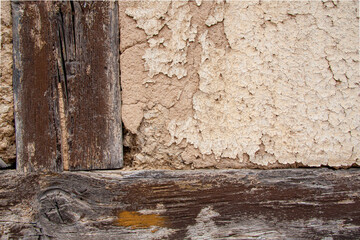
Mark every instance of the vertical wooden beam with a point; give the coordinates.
(35, 88)
(66, 85)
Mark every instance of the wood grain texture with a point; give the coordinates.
(35, 88)
(224, 204)
(66, 84)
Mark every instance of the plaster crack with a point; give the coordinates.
(133, 45)
(337, 81)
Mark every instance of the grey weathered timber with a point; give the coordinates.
(207, 204)
(66, 85)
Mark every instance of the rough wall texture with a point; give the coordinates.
(7, 134)
(240, 83)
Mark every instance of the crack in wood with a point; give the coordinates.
(58, 211)
(63, 95)
(63, 55)
(73, 23)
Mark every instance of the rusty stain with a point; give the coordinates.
(137, 220)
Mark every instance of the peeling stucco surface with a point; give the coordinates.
(7, 132)
(240, 83)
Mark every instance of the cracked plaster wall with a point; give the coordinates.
(240, 83)
(7, 132)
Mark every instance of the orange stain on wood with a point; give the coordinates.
(137, 220)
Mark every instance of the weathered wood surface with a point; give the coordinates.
(208, 204)
(66, 85)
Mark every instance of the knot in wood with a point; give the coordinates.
(58, 207)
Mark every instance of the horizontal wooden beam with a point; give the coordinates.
(207, 204)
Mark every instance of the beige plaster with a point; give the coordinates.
(242, 84)
(7, 132)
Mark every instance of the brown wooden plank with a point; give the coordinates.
(228, 204)
(66, 85)
(35, 89)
